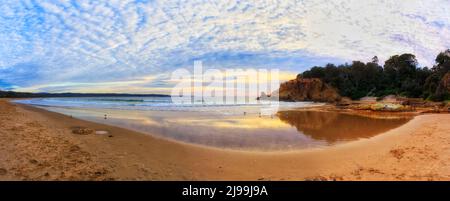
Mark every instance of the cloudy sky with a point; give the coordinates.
(133, 46)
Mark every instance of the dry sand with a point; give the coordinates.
(39, 145)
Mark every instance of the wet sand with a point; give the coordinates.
(287, 130)
(39, 145)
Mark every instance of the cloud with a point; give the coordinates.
(47, 43)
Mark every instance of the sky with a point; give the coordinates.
(133, 46)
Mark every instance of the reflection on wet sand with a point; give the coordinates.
(286, 131)
(334, 127)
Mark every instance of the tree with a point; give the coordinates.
(375, 60)
(400, 75)
(442, 63)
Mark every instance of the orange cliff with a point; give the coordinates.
(307, 89)
(445, 83)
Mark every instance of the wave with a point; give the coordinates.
(157, 104)
(117, 100)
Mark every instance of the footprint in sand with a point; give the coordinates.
(397, 153)
(3, 171)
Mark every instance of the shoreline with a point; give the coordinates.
(130, 155)
(323, 108)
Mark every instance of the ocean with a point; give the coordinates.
(160, 104)
(236, 127)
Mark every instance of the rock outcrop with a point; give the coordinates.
(445, 82)
(443, 89)
(82, 131)
(307, 89)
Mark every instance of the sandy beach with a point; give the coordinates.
(36, 144)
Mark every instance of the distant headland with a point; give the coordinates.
(13, 94)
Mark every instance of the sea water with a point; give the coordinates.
(163, 103)
(238, 126)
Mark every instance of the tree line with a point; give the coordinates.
(13, 94)
(400, 75)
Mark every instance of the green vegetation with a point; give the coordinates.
(400, 75)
